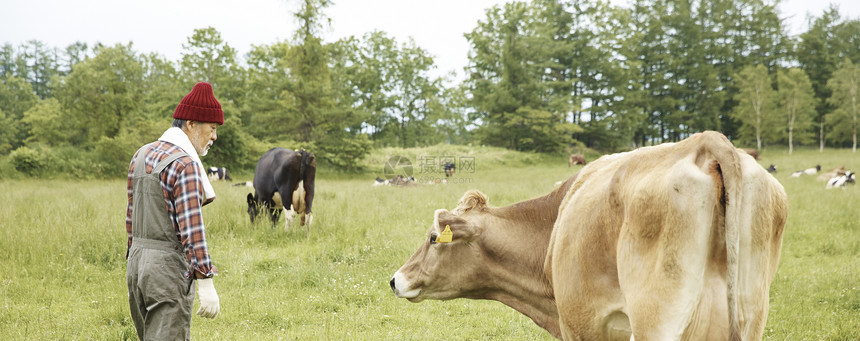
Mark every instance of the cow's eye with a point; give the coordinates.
(432, 239)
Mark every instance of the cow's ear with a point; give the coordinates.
(471, 200)
(251, 200)
(460, 228)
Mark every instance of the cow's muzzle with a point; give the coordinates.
(400, 285)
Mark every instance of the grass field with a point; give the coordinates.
(62, 265)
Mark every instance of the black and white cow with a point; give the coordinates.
(290, 174)
(808, 171)
(771, 169)
(217, 173)
(841, 181)
(380, 182)
(449, 169)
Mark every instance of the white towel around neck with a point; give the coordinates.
(178, 137)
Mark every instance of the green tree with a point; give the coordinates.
(370, 71)
(309, 99)
(819, 52)
(206, 57)
(357, 73)
(756, 104)
(7, 61)
(161, 90)
(507, 65)
(311, 102)
(74, 53)
(102, 93)
(37, 63)
(16, 97)
(797, 105)
(7, 134)
(845, 86)
(269, 78)
(46, 123)
(415, 95)
(651, 50)
(626, 125)
(453, 124)
(579, 77)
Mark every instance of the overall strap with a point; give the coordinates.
(164, 163)
(140, 161)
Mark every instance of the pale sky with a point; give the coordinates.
(164, 25)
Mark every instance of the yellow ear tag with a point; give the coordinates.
(446, 236)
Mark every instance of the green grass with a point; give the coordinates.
(816, 293)
(62, 265)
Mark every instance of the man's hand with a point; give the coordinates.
(209, 303)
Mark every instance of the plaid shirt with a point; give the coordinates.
(183, 195)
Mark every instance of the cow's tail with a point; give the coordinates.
(736, 219)
(303, 165)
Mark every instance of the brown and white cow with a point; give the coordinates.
(676, 241)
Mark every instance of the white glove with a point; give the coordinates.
(209, 303)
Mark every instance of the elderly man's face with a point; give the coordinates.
(201, 134)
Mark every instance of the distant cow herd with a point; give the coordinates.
(284, 170)
(837, 177)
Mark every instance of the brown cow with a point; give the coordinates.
(576, 159)
(835, 172)
(659, 242)
(497, 253)
(752, 152)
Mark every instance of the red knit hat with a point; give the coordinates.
(200, 105)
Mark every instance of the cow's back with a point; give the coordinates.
(643, 234)
(269, 170)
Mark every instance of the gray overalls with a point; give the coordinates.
(159, 295)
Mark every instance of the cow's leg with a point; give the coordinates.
(287, 200)
(760, 246)
(288, 217)
(308, 184)
(582, 269)
(589, 305)
(276, 214)
(308, 219)
(273, 212)
(663, 253)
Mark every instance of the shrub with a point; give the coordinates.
(76, 163)
(114, 155)
(29, 161)
(344, 153)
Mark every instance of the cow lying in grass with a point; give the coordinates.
(840, 181)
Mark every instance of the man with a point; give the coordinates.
(167, 251)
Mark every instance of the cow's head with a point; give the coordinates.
(442, 268)
(253, 208)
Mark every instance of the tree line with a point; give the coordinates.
(544, 75)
